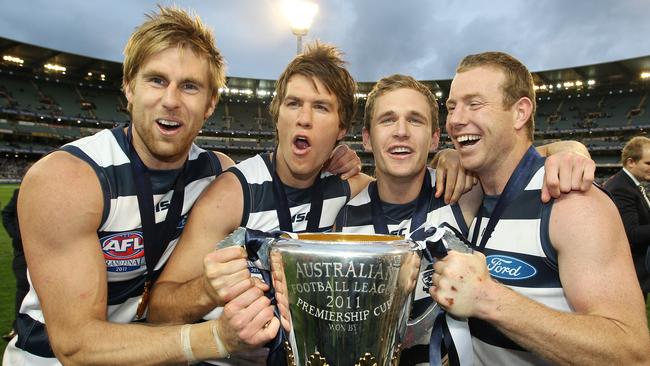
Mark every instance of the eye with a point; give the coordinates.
(450, 108)
(475, 104)
(416, 121)
(158, 81)
(321, 107)
(291, 103)
(190, 88)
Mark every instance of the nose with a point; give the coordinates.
(305, 115)
(455, 118)
(171, 97)
(401, 128)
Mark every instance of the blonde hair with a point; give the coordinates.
(398, 81)
(324, 62)
(173, 27)
(518, 81)
(634, 149)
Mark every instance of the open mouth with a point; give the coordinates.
(400, 151)
(468, 140)
(168, 125)
(301, 143)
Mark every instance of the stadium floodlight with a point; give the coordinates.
(55, 67)
(591, 82)
(645, 75)
(301, 14)
(13, 59)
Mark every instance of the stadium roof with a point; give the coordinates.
(78, 67)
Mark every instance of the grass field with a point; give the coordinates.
(7, 281)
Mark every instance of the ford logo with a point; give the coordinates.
(509, 268)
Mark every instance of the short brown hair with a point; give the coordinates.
(324, 62)
(518, 81)
(173, 27)
(634, 149)
(392, 83)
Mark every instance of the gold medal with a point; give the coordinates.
(144, 301)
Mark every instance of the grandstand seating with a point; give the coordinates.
(41, 112)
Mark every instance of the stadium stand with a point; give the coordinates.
(41, 110)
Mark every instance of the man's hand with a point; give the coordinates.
(247, 322)
(567, 171)
(343, 161)
(461, 283)
(227, 276)
(451, 177)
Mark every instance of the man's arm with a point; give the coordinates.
(185, 291)
(568, 167)
(67, 270)
(609, 324)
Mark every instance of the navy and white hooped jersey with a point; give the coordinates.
(519, 254)
(256, 178)
(120, 234)
(356, 217)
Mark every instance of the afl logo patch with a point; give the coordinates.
(123, 252)
(509, 268)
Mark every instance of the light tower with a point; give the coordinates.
(300, 14)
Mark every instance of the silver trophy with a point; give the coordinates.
(344, 298)
(347, 296)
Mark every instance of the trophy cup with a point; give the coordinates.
(346, 296)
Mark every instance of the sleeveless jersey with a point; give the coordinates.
(120, 234)
(256, 179)
(519, 254)
(356, 217)
(255, 175)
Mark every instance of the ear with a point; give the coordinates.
(342, 132)
(365, 134)
(212, 105)
(435, 141)
(128, 92)
(523, 108)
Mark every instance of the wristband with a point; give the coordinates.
(221, 347)
(187, 344)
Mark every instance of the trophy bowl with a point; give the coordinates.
(346, 296)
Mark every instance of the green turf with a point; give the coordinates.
(8, 283)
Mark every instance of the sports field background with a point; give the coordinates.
(7, 281)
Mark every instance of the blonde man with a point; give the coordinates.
(100, 216)
(548, 283)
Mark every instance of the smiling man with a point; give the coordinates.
(100, 216)
(547, 283)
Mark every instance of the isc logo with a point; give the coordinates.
(300, 217)
(123, 245)
(399, 232)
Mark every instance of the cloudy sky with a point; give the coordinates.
(423, 38)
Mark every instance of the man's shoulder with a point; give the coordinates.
(362, 198)
(253, 166)
(577, 204)
(102, 148)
